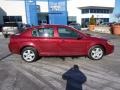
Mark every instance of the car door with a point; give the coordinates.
(46, 41)
(71, 42)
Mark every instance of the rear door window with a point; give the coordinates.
(43, 32)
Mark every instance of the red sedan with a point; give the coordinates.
(58, 40)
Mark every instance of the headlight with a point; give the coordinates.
(110, 42)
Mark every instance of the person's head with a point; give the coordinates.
(76, 67)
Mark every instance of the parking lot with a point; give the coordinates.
(46, 73)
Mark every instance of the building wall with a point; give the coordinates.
(17, 8)
(2, 13)
(102, 3)
(73, 8)
(43, 6)
(13, 8)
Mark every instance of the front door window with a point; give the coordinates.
(67, 33)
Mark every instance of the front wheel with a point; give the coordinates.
(96, 53)
(29, 54)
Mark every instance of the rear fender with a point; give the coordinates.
(28, 44)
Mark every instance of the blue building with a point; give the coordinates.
(57, 9)
(35, 12)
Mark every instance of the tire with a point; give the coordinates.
(96, 52)
(29, 54)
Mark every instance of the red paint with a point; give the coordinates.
(57, 46)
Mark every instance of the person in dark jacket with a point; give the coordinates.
(75, 78)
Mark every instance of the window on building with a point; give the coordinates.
(18, 18)
(107, 11)
(97, 10)
(110, 10)
(71, 19)
(6, 19)
(92, 11)
(106, 20)
(85, 11)
(85, 22)
(12, 19)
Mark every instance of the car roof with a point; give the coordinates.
(74, 24)
(46, 25)
(52, 25)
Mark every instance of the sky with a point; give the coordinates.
(117, 7)
(116, 11)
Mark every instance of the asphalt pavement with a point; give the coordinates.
(46, 73)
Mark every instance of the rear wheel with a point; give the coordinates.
(96, 52)
(29, 54)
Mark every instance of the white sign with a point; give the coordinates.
(55, 7)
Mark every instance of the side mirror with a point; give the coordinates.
(88, 34)
(79, 37)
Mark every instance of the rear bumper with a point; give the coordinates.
(13, 48)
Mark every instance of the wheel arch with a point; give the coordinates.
(33, 49)
(103, 47)
(93, 56)
(28, 46)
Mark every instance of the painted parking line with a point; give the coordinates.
(6, 56)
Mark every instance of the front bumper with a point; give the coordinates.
(109, 49)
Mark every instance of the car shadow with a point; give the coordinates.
(5, 56)
(75, 78)
(62, 58)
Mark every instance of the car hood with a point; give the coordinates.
(98, 38)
